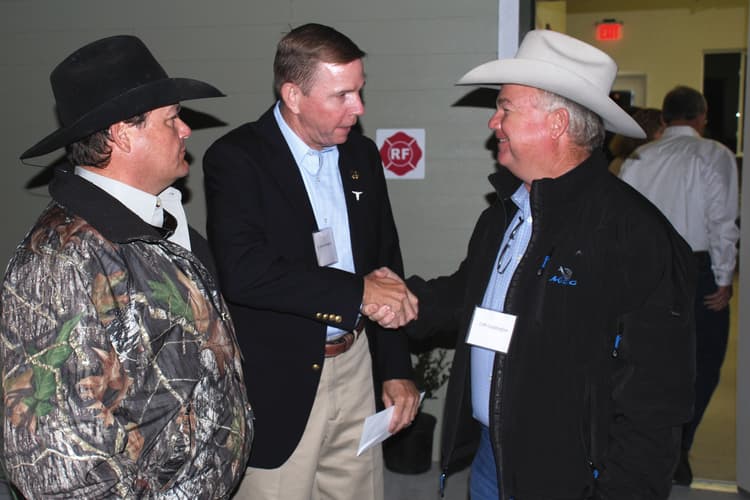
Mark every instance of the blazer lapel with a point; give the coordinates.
(355, 181)
(284, 170)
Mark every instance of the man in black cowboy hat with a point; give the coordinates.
(573, 368)
(121, 371)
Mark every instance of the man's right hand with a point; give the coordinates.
(387, 300)
(719, 299)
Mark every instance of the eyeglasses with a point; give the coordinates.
(503, 261)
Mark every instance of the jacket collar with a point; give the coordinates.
(104, 212)
(565, 188)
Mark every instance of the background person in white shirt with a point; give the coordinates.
(693, 181)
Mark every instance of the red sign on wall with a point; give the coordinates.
(609, 31)
(400, 153)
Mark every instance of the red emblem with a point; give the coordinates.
(400, 153)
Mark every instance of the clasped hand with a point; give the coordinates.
(387, 300)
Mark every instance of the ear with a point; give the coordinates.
(558, 121)
(119, 134)
(290, 95)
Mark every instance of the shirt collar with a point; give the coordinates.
(680, 130)
(108, 215)
(521, 198)
(297, 146)
(145, 205)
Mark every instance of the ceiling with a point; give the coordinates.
(582, 6)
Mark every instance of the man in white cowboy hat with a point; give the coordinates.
(573, 365)
(121, 371)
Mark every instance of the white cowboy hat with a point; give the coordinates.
(564, 66)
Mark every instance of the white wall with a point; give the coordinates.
(666, 45)
(743, 341)
(552, 15)
(416, 51)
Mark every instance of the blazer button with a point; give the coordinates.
(338, 319)
(316, 367)
(319, 315)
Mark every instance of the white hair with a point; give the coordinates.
(585, 128)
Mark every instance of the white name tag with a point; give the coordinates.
(325, 247)
(491, 329)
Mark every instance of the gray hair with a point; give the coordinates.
(585, 127)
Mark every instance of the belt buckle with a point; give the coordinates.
(338, 340)
(339, 345)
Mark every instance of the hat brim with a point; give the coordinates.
(558, 80)
(150, 96)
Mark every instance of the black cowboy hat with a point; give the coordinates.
(108, 81)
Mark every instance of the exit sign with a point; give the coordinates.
(609, 30)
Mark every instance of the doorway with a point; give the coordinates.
(723, 81)
(713, 455)
(633, 84)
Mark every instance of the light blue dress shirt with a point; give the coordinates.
(322, 178)
(511, 251)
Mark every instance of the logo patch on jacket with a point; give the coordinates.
(563, 276)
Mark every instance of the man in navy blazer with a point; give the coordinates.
(300, 222)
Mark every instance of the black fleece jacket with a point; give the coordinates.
(598, 378)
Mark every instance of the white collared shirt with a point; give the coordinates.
(325, 190)
(148, 207)
(693, 181)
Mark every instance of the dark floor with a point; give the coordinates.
(425, 487)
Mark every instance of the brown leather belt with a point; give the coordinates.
(345, 342)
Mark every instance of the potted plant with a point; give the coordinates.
(410, 451)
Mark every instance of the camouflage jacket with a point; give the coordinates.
(121, 371)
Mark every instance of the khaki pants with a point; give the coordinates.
(325, 466)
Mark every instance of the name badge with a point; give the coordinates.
(491, 329)
(325, 247)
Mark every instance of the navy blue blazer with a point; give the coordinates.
(260, 225)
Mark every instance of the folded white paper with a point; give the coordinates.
(376, 428)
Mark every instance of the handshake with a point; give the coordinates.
(387, 300)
